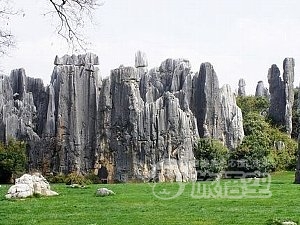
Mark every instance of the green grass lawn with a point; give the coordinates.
(136, 204)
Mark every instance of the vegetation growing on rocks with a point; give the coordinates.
(264, 148)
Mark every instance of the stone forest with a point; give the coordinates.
(139, 123)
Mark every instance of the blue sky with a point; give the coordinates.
(242, 39)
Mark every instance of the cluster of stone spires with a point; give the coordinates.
(138, 123)
(280, 93)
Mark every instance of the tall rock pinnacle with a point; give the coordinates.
(242, 90)
(282, 94)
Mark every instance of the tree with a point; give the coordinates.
(6, 38)
(253, 104)
(252, 155)
(211, 156)
(72, 17)
(259, 152)
(12, 159)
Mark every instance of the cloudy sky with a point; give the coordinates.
(242, 39)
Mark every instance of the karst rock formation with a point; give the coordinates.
(136, 124)
(261, 90)
(282, 94)
(242, 87)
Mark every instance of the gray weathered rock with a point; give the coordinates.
(242, 90)
(147, 140)
(72, 113)
(216, 111)
(232, 118)
(288, 79)
(104, 192)
(277, 98)
(288, 223)
(173, 75)
(77, 60)
(261, 90)
(134, 125)
(140, 59)
(19, 191)
(27, 185)
(207, 104)
(18, 113)
(282, 94)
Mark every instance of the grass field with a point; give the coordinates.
(142, 204)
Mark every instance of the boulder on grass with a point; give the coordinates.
(28, 185)
(19, 191)
(104, 192)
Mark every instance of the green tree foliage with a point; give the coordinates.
(211, 156)
(76, 178)
(12, 159)
(282, 159)
(249, 104)
(252, 154)
(259, 151)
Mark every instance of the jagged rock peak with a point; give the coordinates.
(242, 90)
(72, 114)
(77, 60)
(18, 82)
(261, 90)
(18, 112)
(169, 65)
(206, 105)
(122, 74)
(232, 118)
(282, 94)
(217, 114)
(140, 59)
(173, 75)
(288, 79)
(144, 139)
(288, 66)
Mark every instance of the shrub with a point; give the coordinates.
(60, 178)
(258, 152)
(93, 178)
(283, 159)
(12, 159)
(76, 178)
(255, 104)
(211, 156)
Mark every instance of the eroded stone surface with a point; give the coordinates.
(216, 111)
(232, 118)
(261, 90)
(28, 185)
(282, 94)
(104, 192)
(137, 124)
(242, 89)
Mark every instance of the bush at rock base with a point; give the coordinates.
(211, 157)
(12, 159)
(265, 148)
(76, 178)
